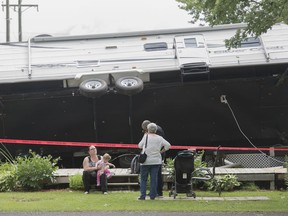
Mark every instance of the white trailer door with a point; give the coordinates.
(191, 49)
(192, 57)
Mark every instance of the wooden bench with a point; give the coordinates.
(270, 174)
(121, 177)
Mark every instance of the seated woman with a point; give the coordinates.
(90, 171)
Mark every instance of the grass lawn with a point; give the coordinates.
(66, 200)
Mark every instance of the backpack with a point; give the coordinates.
(135, 165)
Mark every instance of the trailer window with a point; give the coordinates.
(155, 46)
(190, 42)
(250, 42)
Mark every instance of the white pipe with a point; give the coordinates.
(29, 58)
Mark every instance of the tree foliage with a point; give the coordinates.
(259, 15)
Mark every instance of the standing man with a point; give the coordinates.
(161, 133)
(152, 143)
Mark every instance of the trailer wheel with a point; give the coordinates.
(129, 85)
(93, 88)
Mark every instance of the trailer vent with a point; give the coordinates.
(195, 71)
(111, 47)
(194, 68)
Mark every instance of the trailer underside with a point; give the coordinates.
(188, 108)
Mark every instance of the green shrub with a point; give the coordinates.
(286, 175)
(249, 186)
(223, 183)
(8, 180)
(198, 163)
(75, 182)
(34, 172)
(4, 153)
(169, 166)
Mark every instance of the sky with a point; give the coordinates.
(80, 17)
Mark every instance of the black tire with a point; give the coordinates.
(191, 194)
(93, 88)
(129, 85)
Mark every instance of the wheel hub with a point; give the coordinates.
(129, 82)
(93, 85)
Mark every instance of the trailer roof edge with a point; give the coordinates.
(139, 33)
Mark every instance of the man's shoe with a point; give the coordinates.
(141, 198)
(86, 192)
(105, 193)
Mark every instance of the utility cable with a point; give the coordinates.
(224, 100)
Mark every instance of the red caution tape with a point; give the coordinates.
(122, 145)
(62, 143)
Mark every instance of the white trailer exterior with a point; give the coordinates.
(76, 58)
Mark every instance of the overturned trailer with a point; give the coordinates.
(99, 88)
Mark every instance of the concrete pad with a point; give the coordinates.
(258, 198)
